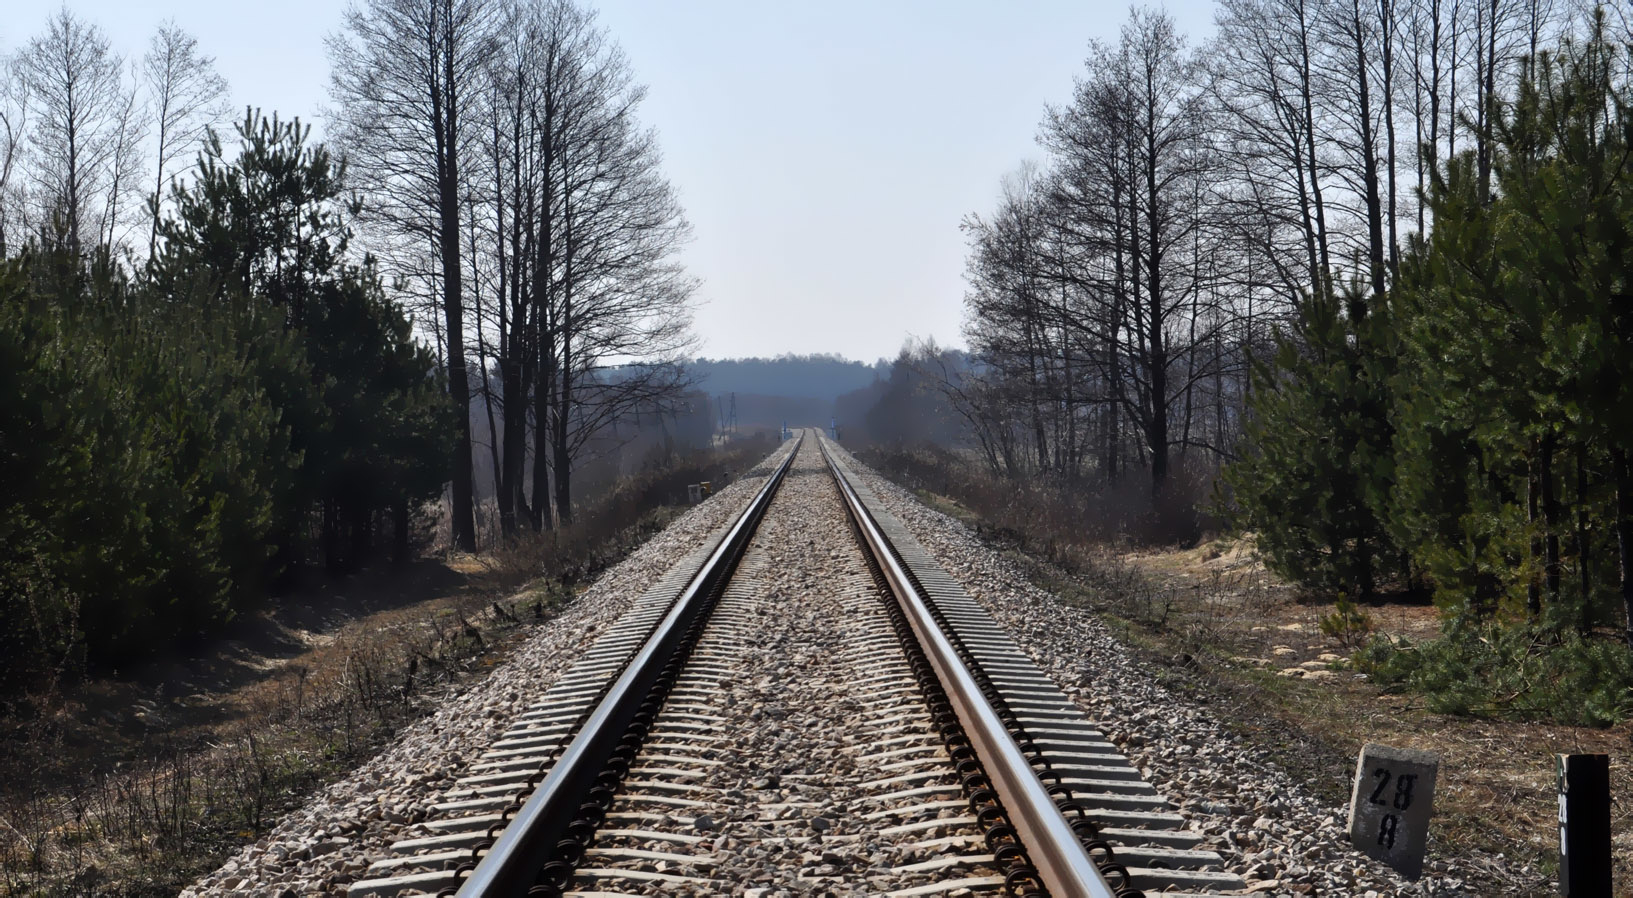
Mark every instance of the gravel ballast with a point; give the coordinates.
(1268, 826)
(795, 755)
(330, 842)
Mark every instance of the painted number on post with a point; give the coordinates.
(1389, 825)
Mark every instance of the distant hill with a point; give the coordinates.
(822, 377)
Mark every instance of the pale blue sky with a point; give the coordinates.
(825, 151)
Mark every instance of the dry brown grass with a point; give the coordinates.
(1236, 638)
(211, 774)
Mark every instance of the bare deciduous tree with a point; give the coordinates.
(124, 169)
(618, 294)
(1149, 164)
(75, 100)
(405, 75)
(187, 96)
(13, 131)
(556, 260)
(1263, 81)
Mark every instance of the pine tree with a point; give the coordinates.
(270, 229)
(161, 439)
(148, 467)
(1317, 465)
(1566, 213)
(1458, 434)
(1517, 343)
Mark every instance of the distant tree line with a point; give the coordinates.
(907, 403)
(1370, 257)
(809, 376)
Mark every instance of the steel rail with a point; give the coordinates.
(529, 841)
(1054, 848)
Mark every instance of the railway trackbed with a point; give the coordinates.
(805, 704)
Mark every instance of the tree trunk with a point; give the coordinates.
(162, 116)
(563, 466)
(543, 393)
(1157, 428)
(506, 473)
(544, 319)
(1114, 364)
(445, 113)
(1110, 463)
(1582, 548)
(1533, 591)
(400, 543)
(1550, 517)
(464, 518)
(1387, 18)
(1451, 87)
(1323, 285)
(1624, 531)
(515, 437)
(541, 467)
(488, 407)
(1485, 93)
(1369, 166)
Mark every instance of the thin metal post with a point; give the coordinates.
(1584, 826)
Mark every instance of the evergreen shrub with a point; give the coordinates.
(1511, 672)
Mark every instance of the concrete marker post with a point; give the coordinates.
(1391, 805)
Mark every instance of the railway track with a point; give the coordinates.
(806, 704)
